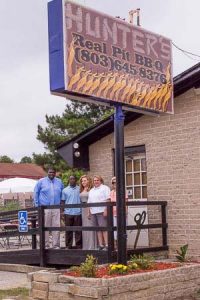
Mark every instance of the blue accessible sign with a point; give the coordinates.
(23, 221)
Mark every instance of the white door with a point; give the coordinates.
(136, 186)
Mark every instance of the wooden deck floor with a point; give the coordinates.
(61, 257)
(51, 256)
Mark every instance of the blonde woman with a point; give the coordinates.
(89, 237)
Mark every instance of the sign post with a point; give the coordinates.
(23, 221)
(120, 185)
(99, 59)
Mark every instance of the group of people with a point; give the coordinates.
(50, 191)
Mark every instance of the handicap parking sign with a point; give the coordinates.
(23, 221)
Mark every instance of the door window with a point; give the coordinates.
(136, 177)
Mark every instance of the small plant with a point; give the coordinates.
(89, 267)
(182, 253)
(133, 266)
(141, 262)
(117, 269)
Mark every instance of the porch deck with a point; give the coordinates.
(31, 245)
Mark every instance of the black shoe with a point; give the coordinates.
(68, 247)
(100, 248)
(76, 247)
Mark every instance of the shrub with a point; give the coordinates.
(89, 267)
(133, 266)
(141, 262)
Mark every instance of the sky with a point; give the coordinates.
(25, 98)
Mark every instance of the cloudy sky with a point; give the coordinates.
(24, 81)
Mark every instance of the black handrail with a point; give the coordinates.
(37, 227)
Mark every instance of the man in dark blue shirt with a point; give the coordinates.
(71, 195)
(48, 191)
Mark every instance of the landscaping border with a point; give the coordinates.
(168, 284)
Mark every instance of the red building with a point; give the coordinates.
(12, 170)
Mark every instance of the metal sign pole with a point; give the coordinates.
(120, 185)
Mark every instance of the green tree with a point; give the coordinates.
(50, 159)
(26, 160)
(64, 176)
(6, 159)
(76, 118)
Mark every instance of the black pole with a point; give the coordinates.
(42, 235)
(164, 221)
(33, 226)
(120, 185)
(110, 233)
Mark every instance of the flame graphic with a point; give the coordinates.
(97, 82)
(75, 78)
(148, 96)
(120, 87)
(103, 85)
(132, 90)
(83, 81)
(89, 83)
(70, 58)
(127, 89)
(110, 84)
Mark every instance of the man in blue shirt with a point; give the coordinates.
(71, 195)
(48, 191)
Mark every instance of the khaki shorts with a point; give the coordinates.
(98, 220)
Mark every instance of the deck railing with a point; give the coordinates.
(36, 229)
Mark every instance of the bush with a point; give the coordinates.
(89, 267)
(141, 262)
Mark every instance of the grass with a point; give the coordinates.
(22, 292)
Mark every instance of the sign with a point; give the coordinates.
(23, 221)
(95, 57)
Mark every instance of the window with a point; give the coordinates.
(136, 176)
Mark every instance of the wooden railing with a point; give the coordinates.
(36, 228)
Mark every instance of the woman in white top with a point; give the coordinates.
(98, 215)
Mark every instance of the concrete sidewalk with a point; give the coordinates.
(10, 280)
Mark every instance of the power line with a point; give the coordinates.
(187, 53)
(195, 59)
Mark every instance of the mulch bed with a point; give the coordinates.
(103, 271)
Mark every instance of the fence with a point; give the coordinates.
(37, 254)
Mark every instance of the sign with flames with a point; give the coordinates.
(95, 57)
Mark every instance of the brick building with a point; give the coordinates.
(162, 158)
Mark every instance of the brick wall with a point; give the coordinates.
(172, 145)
